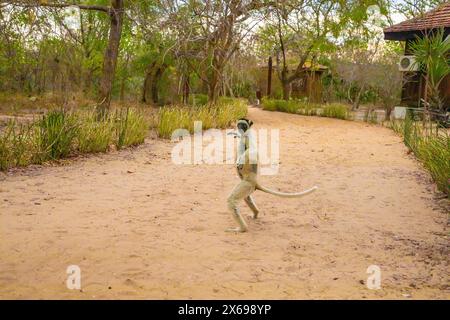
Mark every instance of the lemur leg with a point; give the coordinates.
(252, 205)
(240, 192)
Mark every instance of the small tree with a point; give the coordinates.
(432, 54)
(389, 85)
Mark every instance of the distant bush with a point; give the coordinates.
(95, 136)
(290, 106)
(55, 134)
(303, 107)
(198, 99)
(59, 134)
(335, 110)
(131, 128)
(218, 116)
(15, 145)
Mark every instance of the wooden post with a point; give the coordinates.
(425, 101)
(269, 78)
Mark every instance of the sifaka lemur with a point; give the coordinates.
(247, 169)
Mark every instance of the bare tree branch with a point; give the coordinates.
(35, 4)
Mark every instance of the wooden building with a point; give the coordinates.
(309, 86)
(414, 82)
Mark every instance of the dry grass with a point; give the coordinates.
(218, 116)
(60, 134)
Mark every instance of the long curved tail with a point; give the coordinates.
(286, 195)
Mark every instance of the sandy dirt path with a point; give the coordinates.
(139, 226)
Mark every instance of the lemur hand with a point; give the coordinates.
(235, 134)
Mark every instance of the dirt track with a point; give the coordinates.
(141, 227)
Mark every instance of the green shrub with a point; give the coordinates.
(198, 99)
(228, 111)
(172, 118)
(396, 125)
(5, 149)
(55, 134)
(335, 110)
(305, 108)
(58, 134)
(131, 128)
(291, 106)
(269, 104)
(433, 150)
(220, 116)
(21, 147)
(95, 136)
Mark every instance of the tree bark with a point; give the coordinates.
(213, 87)
(155, 83)
(116, 12)
(111, 54)
(388, 111)
(269, 78)
(357, 100)
(153, 76)
(186, 89)
(286, 90)
(147, 82)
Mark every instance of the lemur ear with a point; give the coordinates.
(250, 123)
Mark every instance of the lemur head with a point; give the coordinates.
(244, 124)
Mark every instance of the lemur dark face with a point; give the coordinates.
(244, 124)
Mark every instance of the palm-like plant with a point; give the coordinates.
(432, 54)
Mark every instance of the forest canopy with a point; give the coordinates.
(162, 52)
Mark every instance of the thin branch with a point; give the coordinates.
(36, 4)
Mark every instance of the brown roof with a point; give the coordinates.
(437, 18)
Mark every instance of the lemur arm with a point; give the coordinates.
(251, 150)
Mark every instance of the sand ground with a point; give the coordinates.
(140, 226)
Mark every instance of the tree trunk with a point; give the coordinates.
(388, 111)
(357, 100)
(111, 54)
(213, 87)
(269, 78)
(148, 82)
(153, 75)
(155, 83)
(186, 89)
(286, 90)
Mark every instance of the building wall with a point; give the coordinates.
(310, 86)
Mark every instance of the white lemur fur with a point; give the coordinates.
(247, 168)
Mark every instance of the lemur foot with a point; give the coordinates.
(255, 215)
(235, 230)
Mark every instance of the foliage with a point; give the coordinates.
(15, 143)
(198, 99)
(94, 136)
(432, 149)
(131, 128)
(55, 134)
(432, 56)
(219, 116)
(165, 48)
(60, 134)
(333, 110)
